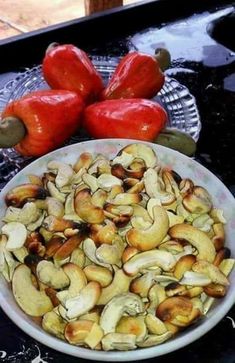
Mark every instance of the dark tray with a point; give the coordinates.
(201, 63)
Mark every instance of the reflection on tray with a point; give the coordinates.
(174, 97)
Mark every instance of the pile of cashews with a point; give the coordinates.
(114, 254)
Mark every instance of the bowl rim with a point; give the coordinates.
(178, 342)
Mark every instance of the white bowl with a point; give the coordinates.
(185, 167)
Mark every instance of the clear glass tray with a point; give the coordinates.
(174, 97)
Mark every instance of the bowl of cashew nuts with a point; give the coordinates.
(116, 250)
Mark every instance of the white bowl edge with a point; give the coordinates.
(216, 314)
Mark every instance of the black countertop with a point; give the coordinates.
(207, 68)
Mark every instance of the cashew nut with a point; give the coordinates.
(150, 238)
(100, 165)
(153, 340)
(140, 211)
(126, 199)
(50, 275)
(26, 215)
(217, 215)
(55, 193)
(111, 254)
(177, 310)
(94, 336)
(136, 170)
(174, 219)
(128, 253)
(141, 151)
(107, 181)
(203, 222)
(78, 257)
(85, 209)
(119, 341)
(142, 260)
(55, 207)
(124, 159)
(85, 301)
(155, 325)
(192, 278)
(19, 195)
(90, 181)
(103, 234)
(219, 237)
(16, 233)
(116, 307)
(99, 198)
(64, 172)
(65, 250)
(141, 285)
(171, 179)
(153, 188)
(212, 271)
(77, 280)
(76, 331)
(198, 200)
(89, 248)
(7, 262)
(197, 238)
(54, 324)
(32, 301)
(119, 285)
(156, 295)
(84, 161)
(132, 325)
(98, 273)
(56, 224)
(184, 264)
(172, 246)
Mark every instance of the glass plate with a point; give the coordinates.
(174, 97)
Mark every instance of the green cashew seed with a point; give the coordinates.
(177, 140)
(12, 131)
(163, 57)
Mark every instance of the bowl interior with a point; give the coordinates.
(185, 167)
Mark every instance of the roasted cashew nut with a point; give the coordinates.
(212, 271)
(142, 260)
(111, 254)
(153, 188)
(133, 325)
(52, 276)
(198, 200)
(120, 304)
(64, 172)
(85, 301)
(16, 233)
(141, 151)
(89, 248)
(119, 285)
(77, 280)
(85, 209)
(54, 324)
(7, 262)
(151, 237)
(26, 215)
(119, 341)
(197, 238)
(177, 310)
(32, 301)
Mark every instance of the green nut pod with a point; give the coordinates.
(177, 140)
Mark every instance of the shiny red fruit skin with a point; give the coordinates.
(138, 119)
(138, 75)
(68, 67)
